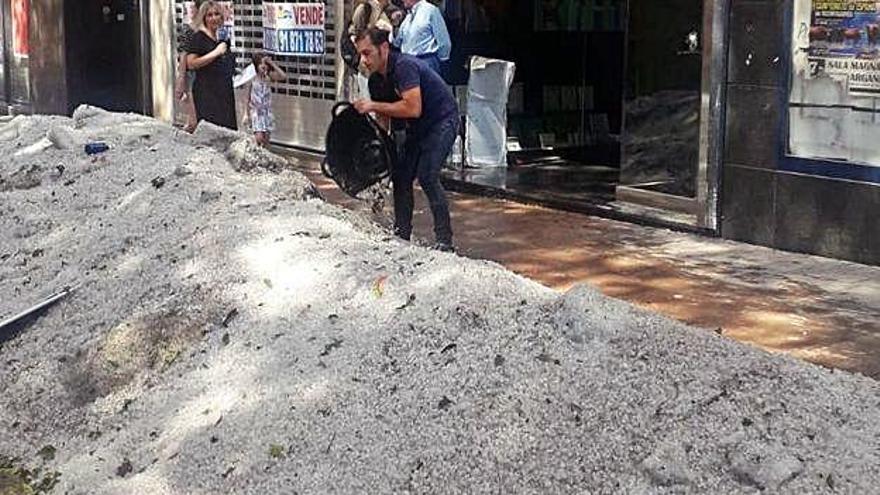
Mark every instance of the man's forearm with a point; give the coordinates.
(396, 110)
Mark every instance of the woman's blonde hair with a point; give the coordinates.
(199, 19)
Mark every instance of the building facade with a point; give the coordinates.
(755, 120)
(822, 199)
(303, 102)
(58, 54)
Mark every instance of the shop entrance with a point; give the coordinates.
(609, 104)
(662, 96)
(666, 131)
(104, 55)
(564, 113)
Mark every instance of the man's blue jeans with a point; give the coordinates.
(423, 157)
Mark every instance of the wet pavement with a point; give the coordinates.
(821, 310)
(561, 181)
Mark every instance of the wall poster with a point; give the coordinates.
(833, 105)
(20, 44)
(843, 39)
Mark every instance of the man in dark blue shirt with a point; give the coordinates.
(403, 87)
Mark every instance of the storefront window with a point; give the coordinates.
(564, 108)
(833, 104)
(568, 55)
(661, 138)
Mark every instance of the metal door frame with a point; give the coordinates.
(705, 206)
(144, 88)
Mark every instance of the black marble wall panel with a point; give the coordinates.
(833, 218)
(757, 43)
(748, 213)
(753, 126)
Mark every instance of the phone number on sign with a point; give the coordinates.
(294, 41)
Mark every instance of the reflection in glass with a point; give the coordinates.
(662, 96)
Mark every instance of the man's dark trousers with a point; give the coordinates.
(424, 154)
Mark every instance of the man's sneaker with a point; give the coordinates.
(446, 247)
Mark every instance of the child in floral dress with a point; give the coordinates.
(260, 102)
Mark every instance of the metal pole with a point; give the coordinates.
(43, 304)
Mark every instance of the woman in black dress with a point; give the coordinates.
(214, 65)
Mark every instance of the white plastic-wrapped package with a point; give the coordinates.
(488, 90)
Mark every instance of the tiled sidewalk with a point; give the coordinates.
(822, 310)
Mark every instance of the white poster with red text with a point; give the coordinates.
(294, 28)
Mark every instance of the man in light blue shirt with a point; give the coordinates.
(423, 34)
